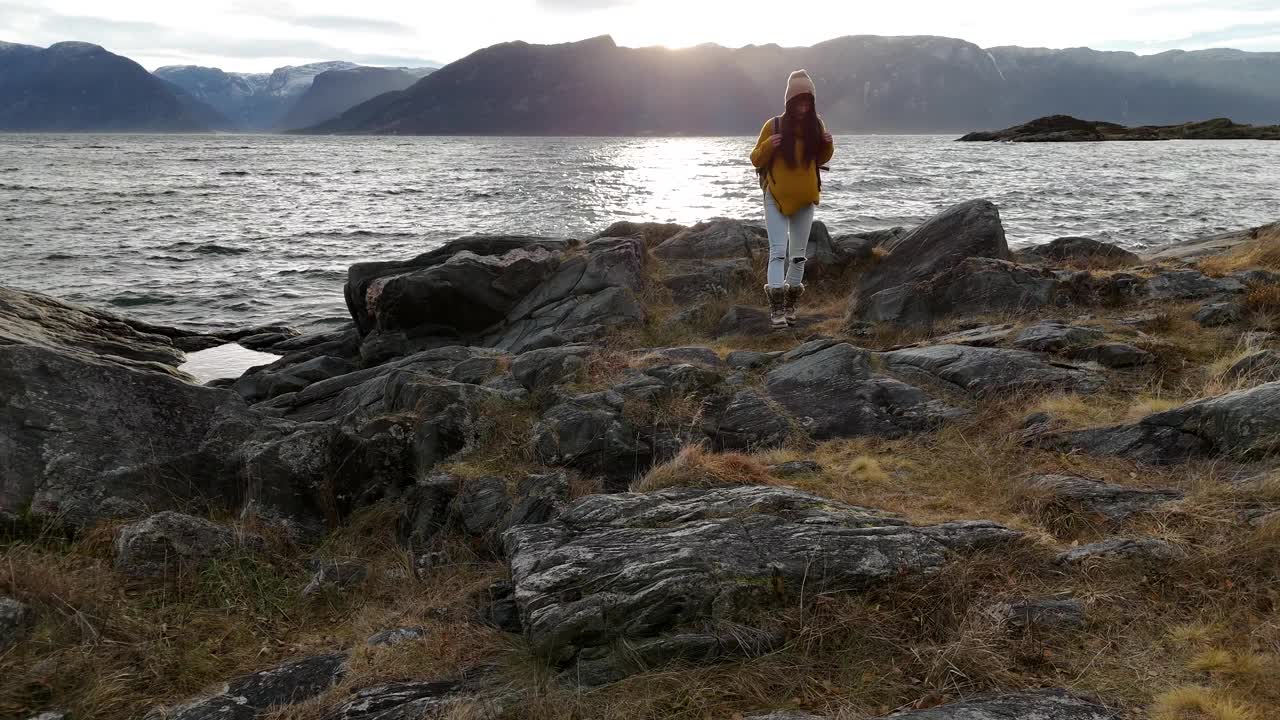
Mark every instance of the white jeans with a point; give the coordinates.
(788, 242)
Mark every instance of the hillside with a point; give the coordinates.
(78, 87)
(866, 84)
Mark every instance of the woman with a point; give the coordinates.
(788, 156)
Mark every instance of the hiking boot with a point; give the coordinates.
(777, 313)
(790, 298)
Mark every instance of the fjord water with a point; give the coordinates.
(230, 230)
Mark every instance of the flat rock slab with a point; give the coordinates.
(251, 696)
(657, 571)
(1190, 285)
(1139, 549)
(984, 371)
(1051, 336)
(166, 541)
(1113, 355)
(1244, 423)
(984, 336)
(832, 390)
(1114, 502)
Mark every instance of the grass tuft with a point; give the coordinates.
(1197, 703)
(696, 467)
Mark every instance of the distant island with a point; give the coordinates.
(1064, 128)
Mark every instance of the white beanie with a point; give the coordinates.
(799, 84)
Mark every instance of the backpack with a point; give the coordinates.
(764, 174)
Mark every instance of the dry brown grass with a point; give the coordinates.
(1197, 703)
(1261, 252)
(1261, 304)
(696, 467)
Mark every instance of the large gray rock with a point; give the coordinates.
(834, 393)
(655, 573)
(1080, 250)
(907, 285)
(1038, 614)
(1113, 355)
(591, 294)
(1216, 314)
(1245, 423)
(367, 281)
(690, 281)
(28, 318)
(14, 618)
(746, 422)
(83, 439)
(429, 700)
(1053, 336)
(651, 233)
(542, 369)
(1259, 367)
(970, 229)
(168, 542)
(972, 287)
(335, 575)
(985, 371)
(1191, 285)
(1086, 495)
(715, 239)
(264, 383)
(252, 696)
(487, 507)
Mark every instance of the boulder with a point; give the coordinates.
(1244, 423)
(590, 433)
(486, 507)
(1140, 550)
(1053, 336)
(981, 336)
(653, 234)
(689, 282)
(1216, 314)
(33, 319)
(335, 575)
(252, 696)
(85, 439)
(985, 371)
(263, 384)
(744, 320)
(1259, 367)
(834, 393)
(1190, 285)
(750, 359)
(624, 582)
(366, 281)
(719, 238)
(968, 230)
(427, 508)
(973, 286)
(1038, 614)
(541, 369)
(1080, 251)
(168, 542)
(746, 422)
(1113, 355)
(14, 619)
(1086, 495)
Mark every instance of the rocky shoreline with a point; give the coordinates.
(533, 468)
(1064, 128)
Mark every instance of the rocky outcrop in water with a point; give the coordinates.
(1064, 128)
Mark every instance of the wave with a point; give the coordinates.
(133, 300)
(238, 173)
(61, 256)
(170, 258)
(316, 273)
(208, 248)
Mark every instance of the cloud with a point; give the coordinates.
(580, 5)
(342, 22)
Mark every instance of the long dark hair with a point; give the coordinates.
(811, 131)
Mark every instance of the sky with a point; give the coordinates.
(259, 35)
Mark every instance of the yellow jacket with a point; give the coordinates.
(793, 188)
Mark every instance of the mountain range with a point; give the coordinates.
(865, 84)
(594, 87)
